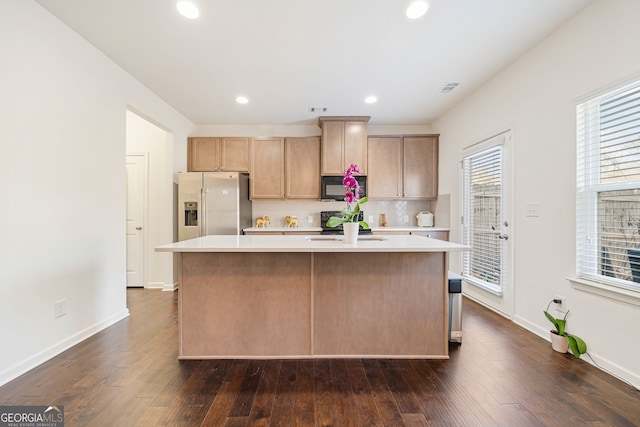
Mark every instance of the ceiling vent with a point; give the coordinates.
(318, 109)
(449, 87)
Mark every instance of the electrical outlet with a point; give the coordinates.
(532, 210)
(60, 308)
(310, 219)
(370, 219)
(562, 306)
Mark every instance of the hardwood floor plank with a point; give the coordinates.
(244, 400)
(343, 403)
(284, 401)
(200, 389)
(323, 394)
(364, 403)
(304, 401)
(225, 398)
(414, 420)
(260, 415)
(401, 390)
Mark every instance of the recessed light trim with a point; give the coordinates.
(417, 9)
(242, 100)
(371, 99)
(188, 9)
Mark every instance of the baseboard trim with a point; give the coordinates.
(51, 352)
(170, 287)
(155, 285)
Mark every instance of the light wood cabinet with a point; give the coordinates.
(302, 168)
(267, 168)
(219, 154)
(420, 167)
(385, 168)
(403, 167)
(390, 233)
(440, 235)
(285, 168)
(344, 141)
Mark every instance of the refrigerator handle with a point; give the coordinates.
(203, 214)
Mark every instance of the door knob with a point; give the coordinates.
(138, 228)
(503, 236)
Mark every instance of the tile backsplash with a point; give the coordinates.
(398, 212)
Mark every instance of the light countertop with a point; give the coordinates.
(407, 228)
(301, 243)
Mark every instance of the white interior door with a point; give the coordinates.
(136, 205)
(487, 227)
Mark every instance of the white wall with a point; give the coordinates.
(535, 96)
(62, 182)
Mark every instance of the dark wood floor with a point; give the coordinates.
(129, 375)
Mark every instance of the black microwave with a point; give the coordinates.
(332, 188)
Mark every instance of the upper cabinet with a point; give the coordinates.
(267, 168)
(218, 154)
(344, 141)
(285, 168)
(403, 167)
(302, 168)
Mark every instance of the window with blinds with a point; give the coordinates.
(608, 188)
(483, 218)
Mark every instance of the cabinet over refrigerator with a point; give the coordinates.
(211, 203)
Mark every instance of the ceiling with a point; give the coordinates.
(289, 55)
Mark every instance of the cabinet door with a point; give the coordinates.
(355, 145)
(420, 167)
(203, 154)
(332, 147)
(302, 168)
(234, 154)
(384, 180)
(440, 235)
(267, 168)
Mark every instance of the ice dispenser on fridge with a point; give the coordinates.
(190, 214)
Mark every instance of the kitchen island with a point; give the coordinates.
(312, 296)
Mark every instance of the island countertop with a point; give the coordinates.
(312, 243)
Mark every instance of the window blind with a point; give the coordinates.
(483, 217)
(608, 187)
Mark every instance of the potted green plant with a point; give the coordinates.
(561, 339)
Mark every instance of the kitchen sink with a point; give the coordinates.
(341, 238)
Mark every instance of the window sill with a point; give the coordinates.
(495, 290)
(628, 296)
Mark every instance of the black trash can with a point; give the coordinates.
(455, 307)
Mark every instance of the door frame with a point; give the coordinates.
(145, 207)
(503, 304)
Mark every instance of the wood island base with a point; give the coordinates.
(312, 305)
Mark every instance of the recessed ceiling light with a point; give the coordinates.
(188, 9)
(370, 99)
(417, 9)
(242, 100)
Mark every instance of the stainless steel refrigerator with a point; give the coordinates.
(212, 203)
